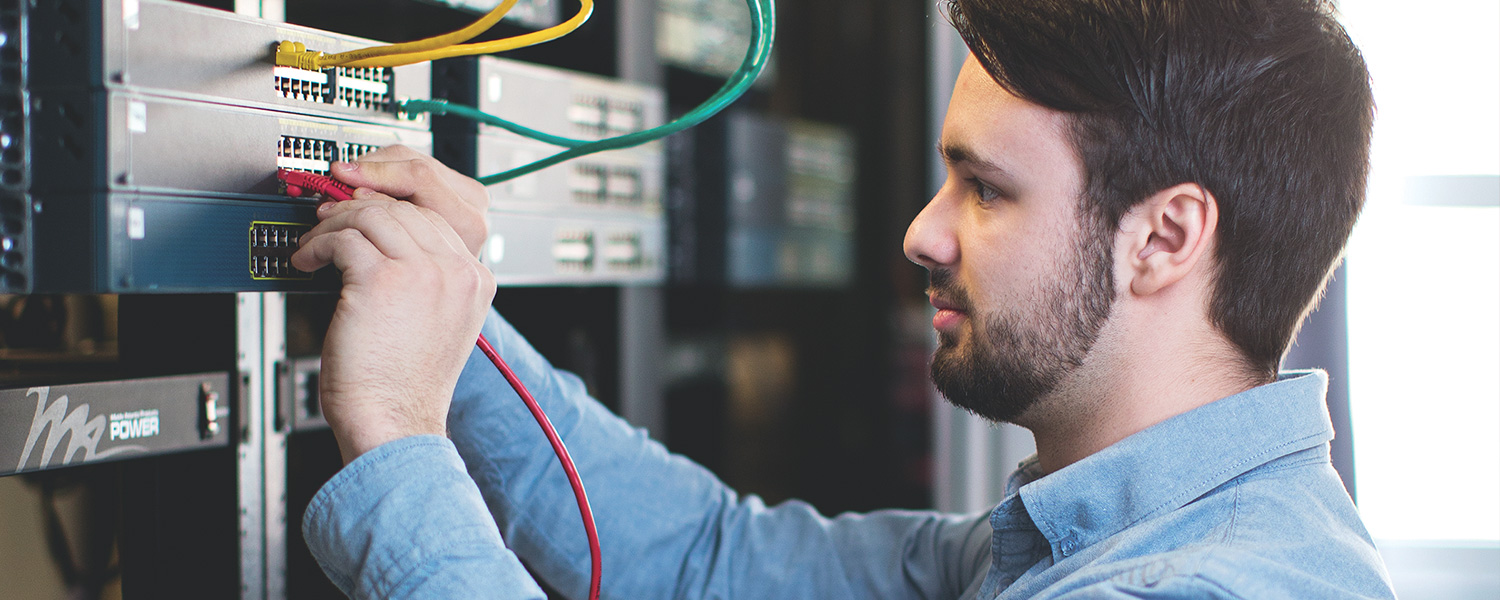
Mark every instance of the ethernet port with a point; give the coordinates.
(271, 249)
(306, 154)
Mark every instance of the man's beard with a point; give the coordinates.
(1017, 355)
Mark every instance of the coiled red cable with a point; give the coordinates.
(562, 457)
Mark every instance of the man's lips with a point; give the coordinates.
(940, 303)
(949, 314)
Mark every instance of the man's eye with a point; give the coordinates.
(986, 192)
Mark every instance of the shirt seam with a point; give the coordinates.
(424, 566)
(1316, 460)
(1178, 499)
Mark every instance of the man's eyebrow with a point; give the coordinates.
(955, 153)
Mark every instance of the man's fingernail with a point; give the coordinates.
(324, 206)
(346, 167)
(363, 192)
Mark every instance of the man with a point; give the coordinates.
(1143, 200)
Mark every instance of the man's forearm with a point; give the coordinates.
(405, 521)
(668, 527)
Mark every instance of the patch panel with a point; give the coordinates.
(366, 88)
(158, 47)
(350, 151)
(112, 140)
(301, 84)
(304, 154)
(271, 249)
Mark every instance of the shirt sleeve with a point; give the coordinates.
(668, 527)
(405, 521)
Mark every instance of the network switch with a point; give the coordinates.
(176, 49)
(121, 242)
(553, 100)
(597, 219)
(532, 249)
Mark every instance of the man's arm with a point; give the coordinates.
(405, 521)
(402, 519)
(668, 527)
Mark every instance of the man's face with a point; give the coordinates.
(1021, 287)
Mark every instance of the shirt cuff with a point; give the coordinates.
(406, 520)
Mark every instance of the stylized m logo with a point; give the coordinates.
(82, 432)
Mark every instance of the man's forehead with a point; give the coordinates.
(985, 122)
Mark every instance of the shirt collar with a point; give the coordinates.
(1169, 464)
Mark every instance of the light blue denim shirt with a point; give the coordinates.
(1236, 499)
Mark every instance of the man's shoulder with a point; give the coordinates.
(1222, 572)
(1284, 530)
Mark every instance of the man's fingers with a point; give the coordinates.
(409, 175)
(445, 230)
(397, 229)
(345, 249)
(464, 186)
(407, 179)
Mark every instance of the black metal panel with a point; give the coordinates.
(47, 427)
(160, 244)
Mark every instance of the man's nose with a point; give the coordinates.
(930, 239)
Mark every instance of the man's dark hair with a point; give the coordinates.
(1265, 103)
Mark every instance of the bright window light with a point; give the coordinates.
(1424, 274)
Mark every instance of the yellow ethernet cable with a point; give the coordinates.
(433, 43)
(585, 10)
(293, 54)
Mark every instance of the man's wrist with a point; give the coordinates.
(355, 439)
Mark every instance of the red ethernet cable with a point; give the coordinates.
(300, 182)
(562, 456)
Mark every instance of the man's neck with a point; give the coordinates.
(1124, 388)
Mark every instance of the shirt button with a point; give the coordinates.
(1068, 547)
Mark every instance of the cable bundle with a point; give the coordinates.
(447, 45)
(762, 36)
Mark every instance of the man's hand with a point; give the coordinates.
(401, 172)
(413, 301)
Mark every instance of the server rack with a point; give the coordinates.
(251, 489)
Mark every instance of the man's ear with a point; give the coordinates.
(1167, 235)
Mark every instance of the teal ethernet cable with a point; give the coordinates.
(442, 107)
(762, 37)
